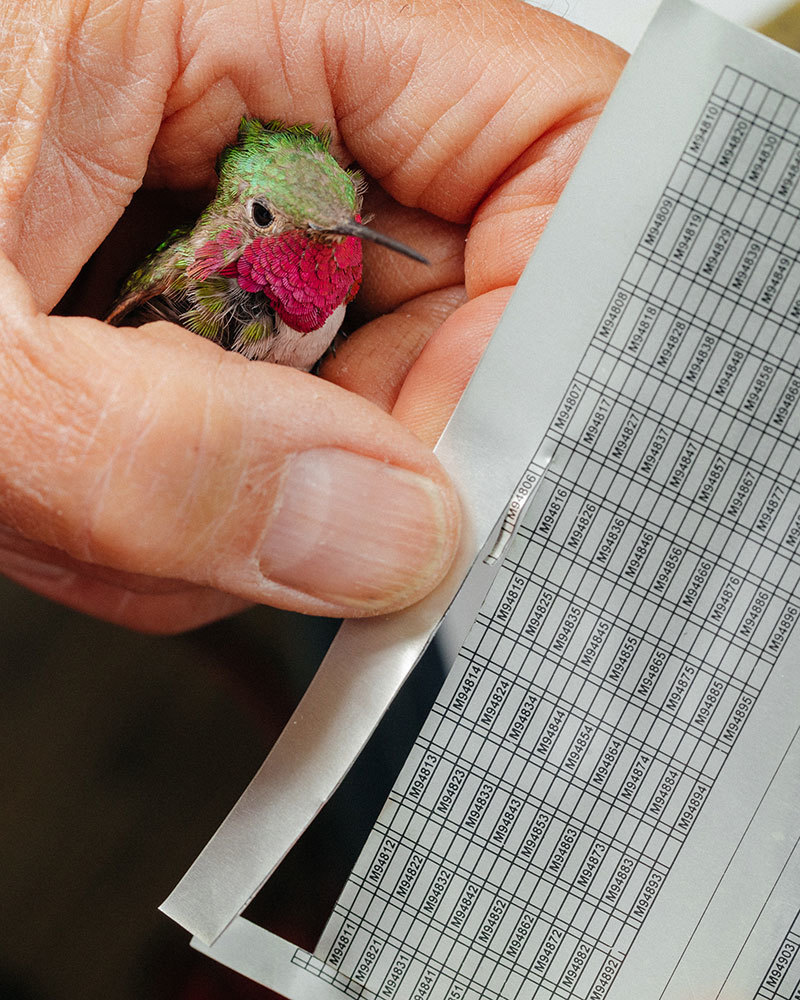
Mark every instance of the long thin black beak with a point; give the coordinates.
(356, 229)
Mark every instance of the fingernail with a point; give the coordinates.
(357, 532)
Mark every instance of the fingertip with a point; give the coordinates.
(361, 535)
(436, 382)
(375, 360)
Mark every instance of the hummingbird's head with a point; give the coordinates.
(281, 178)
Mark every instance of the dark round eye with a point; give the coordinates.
(260, 214)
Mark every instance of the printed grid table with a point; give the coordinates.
(598, 694)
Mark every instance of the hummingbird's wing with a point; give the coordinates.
(137, 308)
(152, 290)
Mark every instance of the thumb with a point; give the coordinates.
(154, 452)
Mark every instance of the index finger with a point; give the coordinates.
(435, 100)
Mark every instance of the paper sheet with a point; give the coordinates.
(603, 801)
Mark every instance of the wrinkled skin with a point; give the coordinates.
(144, 473)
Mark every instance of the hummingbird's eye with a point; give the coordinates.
(260, 214)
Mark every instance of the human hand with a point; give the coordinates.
(152, 479)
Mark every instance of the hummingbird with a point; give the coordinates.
(271, 263)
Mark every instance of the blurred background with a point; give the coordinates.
(122, 753)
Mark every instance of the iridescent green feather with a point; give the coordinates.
(201, 322)
(311, 186)
(212, 295)
(160, 266)
(211, 306)
(252, 333)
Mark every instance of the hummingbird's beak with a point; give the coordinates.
(365, 233)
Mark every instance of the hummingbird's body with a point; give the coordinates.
(270, 265)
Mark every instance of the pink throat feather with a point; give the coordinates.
(304, 280)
